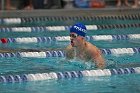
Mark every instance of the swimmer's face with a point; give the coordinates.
(74, 39)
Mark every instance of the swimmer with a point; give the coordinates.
(81, 49)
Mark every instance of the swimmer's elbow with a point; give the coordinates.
(100, 63)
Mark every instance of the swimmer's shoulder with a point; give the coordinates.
(89, 45)
(92, 48)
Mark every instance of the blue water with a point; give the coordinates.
(106, 84)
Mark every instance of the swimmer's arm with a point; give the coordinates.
(69, 52)
(98, 59)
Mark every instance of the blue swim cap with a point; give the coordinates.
(79, 29)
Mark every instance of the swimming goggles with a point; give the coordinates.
(74, 35)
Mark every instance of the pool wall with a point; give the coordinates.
(69, 12)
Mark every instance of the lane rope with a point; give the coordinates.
(61, 53)
(66, 28)
(67, 38)
(64, 18)
(67, 75)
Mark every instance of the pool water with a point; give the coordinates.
(104, 84)
(113, 84)
(127, 83)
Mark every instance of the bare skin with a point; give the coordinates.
(119, 3)
(126, 2)
(84, 51)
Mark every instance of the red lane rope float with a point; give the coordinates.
(3, 40)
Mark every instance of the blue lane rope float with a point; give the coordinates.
(67, 38)
(67, 75)
(61, 53)
(65, 28)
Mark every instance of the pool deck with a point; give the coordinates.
(69, 12)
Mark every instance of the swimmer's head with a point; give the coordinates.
(79, 29)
